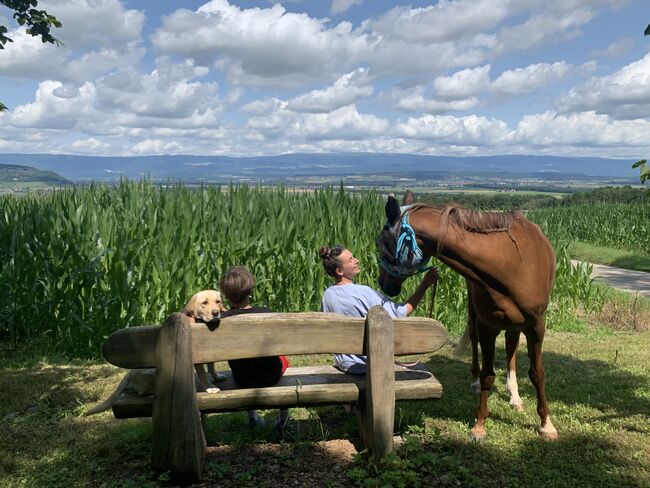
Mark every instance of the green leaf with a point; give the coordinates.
(642, 162)
(647, 31)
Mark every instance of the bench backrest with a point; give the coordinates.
(255, 335)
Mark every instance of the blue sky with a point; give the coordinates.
(461, 77)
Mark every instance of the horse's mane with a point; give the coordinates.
(472, 221)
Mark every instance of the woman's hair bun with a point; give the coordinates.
(325, 252)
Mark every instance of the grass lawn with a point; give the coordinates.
(598, 385)
(609, 256)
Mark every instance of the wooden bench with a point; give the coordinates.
(176, 409)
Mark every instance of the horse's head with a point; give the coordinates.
(399, 253)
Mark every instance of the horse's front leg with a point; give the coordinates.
(472, 328)
(534, 339)
(512, 343)
(487, 338)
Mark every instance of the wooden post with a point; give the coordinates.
(380, 382)
(178, 440)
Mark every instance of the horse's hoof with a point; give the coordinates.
(548, 435)
(477, 436)
(519, 407)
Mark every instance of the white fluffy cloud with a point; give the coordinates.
(343, 123)
(581, 129)
(624, 94)
(97, 36)
(417, 100)
(348, 89)
(463, 84)
(443, 22)
(100, 23)
(445, 129)
(523, 80)
(257, 46)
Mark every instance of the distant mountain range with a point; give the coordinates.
(224, 169)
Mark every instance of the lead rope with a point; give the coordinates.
(433, 299)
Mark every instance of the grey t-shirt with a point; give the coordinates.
(355, 301)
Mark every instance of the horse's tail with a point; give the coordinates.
(463, 344)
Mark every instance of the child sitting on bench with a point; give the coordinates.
(237, 285)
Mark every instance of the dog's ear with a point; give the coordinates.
(392, 210)
(190, 308)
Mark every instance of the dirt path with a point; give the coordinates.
(623, 279)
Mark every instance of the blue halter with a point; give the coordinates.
(409, 258)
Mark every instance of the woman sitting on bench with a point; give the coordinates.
(347, 298)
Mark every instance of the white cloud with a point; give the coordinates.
(167, 92)
(446, 129)
(532, 77)
(415, 100)
(344, 123)
(581, 129)
(340, 6)
(89, 146)
(97, 36)
(258, 46)
(347, 90)
(463, 84)
(624, 94)
(618, 48)
(156, 146)
(100, 23)
(28, 57)
(443, 22)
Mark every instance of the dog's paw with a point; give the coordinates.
(213, 390)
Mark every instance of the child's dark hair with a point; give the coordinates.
(237, 284)
(330, 255)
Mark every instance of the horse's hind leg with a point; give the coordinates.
(512, 343)
(534, 339)
(487, 338)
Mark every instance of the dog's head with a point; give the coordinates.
(206, 306)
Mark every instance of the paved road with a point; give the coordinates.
(623, 279)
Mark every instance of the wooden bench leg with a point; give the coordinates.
(178, 440)
(379, 408)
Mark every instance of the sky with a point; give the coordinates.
(256, 77)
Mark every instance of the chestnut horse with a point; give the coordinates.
(509, 268)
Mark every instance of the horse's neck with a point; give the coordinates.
(455, 247)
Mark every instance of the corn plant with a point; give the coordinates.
(79, 263)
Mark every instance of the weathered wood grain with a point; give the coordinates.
(299, 387)
(178, 441)
(257, 335)
(379, 418)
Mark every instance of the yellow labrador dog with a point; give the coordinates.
(206, 306)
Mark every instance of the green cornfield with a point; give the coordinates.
(77, 264)
(620, 226)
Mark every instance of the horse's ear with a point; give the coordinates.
(409, 198)
(392, 210)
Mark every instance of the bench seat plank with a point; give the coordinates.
(299, 387)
